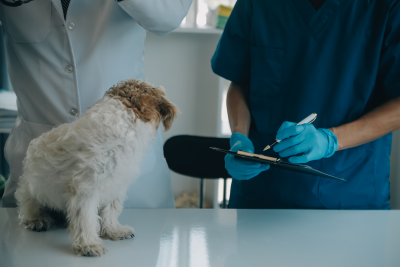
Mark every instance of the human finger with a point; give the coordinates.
(290, 131)
(286, 124)
(294, 150)
(289, 142)
(300, 159)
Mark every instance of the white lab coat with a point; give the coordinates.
(58, 69)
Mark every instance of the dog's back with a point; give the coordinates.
(86, 154)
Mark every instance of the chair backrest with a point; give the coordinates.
(192, 156)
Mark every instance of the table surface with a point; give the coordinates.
(209, 238)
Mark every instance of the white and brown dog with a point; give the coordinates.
(83, 169)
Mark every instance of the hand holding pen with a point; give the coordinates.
(309, 119)
(303, 138)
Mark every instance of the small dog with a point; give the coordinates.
(83, 168)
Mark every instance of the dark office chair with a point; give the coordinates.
(192, 156)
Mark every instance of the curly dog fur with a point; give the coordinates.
(83, 168)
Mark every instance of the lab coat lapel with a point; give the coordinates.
(58, 6)
(315, 20)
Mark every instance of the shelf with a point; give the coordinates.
(197, 29)
(5, 130)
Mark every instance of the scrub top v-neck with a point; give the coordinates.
(316, 3)
(340, 61)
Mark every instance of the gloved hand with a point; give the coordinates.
(314, 143)
(241, 169)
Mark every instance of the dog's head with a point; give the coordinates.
(149, 103)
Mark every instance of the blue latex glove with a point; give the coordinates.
(241, 169)
(314, 143)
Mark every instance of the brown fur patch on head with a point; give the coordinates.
(149, 103)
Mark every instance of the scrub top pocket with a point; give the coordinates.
(29, 23)
(355, 193)
(266, 71)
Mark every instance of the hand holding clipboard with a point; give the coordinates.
(277, 163)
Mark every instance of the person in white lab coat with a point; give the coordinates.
(63, 55)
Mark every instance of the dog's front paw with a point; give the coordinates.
(120, 233)
(38, 225)
(90, 250)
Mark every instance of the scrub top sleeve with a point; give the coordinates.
(231, 59)
(388, 79)
(157, 16)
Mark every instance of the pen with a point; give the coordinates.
(309, 119)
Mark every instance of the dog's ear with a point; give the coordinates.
(168, 112)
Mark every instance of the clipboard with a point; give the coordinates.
(277, 163)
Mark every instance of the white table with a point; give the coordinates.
(209, 238)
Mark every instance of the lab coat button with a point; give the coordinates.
(71, 25)
(74, 112)
(69, 68)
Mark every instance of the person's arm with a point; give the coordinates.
(231, 61)
(239, 120)
(385, 118)
(314, 144)
(375, 124)
(157, 16)
(238, 110)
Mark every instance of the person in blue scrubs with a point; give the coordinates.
(287, 59)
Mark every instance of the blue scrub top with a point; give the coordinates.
(341, 62)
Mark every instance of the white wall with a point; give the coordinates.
(180, 62)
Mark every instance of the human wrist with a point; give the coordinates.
(332, 142)
(242, 129)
